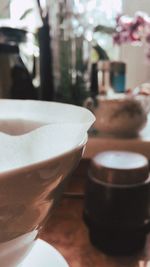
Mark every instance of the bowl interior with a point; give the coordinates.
(19, 126)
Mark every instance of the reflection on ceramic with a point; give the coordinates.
(29, 191)
(43, 255)
(119, 115)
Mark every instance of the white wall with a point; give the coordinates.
(138, 71)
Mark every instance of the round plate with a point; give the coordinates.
(43, 254)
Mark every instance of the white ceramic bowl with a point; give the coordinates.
(26, 197)
(28, 193)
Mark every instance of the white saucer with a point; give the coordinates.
(43, 255)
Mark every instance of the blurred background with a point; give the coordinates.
(50, 50)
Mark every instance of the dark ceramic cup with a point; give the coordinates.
(117, 202)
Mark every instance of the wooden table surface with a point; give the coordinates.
(66, 231)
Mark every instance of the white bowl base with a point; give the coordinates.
(43, 254)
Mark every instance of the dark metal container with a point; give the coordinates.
(117, 204)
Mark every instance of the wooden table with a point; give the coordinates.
(66, 231)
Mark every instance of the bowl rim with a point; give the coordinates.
(40, 164)
(49, 104)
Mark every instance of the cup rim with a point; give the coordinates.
(118, 186)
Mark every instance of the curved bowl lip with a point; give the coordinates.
(90, 120)
(42, 163)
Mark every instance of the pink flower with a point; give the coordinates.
(133, 30)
